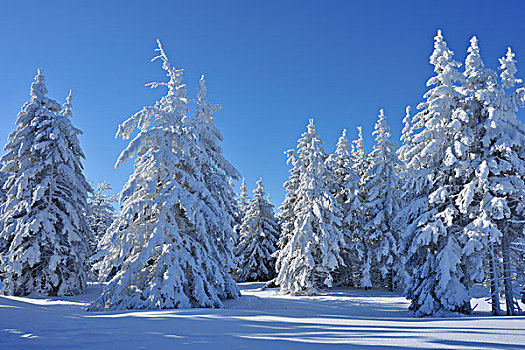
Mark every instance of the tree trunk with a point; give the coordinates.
(494, 285)
(507, 275)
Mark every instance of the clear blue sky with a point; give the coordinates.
(271, 64)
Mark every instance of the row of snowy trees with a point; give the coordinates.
(441, 213)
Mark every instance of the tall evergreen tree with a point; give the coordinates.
(258, 239)
(357, 219)
(312, 252)
(241, 205)
(382, 205)
(476, 85)
(434, 239)
(171, 243)
(242, 197)
(43, 229)
(346, 190)
(215, 172)
(493, 199)
(101, 212)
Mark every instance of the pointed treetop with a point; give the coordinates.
(311, 126)
(473, 62)
(259, 191)
(359, 143)
(201, 90)
(39, 88)
(408, 128)
(206, 107)
(442, 56)
(381, 127)
(474, 48)
(508, 70)
(67, 107)
(175, 85)
(343, 146)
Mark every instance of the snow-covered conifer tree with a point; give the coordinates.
(381, 206)
(406, 146)
(101, 212)
(476, 85)
(357, 219)
(171, 242)
(312, 251)
(216, 171)
(434, 239)
(242, 197)
(359, 157)
(241, 205)
(258, 239)
(345, 190)
(43, 228)
(493, 199)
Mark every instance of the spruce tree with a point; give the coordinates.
(170, 246)
(243, 198)
(345, 190)
(476, 86)
(357, 218)
(381, 206)
(434, 237)
(101, 215)
(493, 199)
(258, 239)
(43, 227)
(312, 251)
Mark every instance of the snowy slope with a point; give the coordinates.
(373, 319)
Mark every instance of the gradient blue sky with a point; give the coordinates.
(271, 64)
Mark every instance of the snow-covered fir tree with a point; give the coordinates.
(357, 219)
(241, 205)
(242, 197)
(359, 157)
(380, 235)
(493, 198)
(215, 172)
(346, 190)
(406, 146)
(434, 239)
(312, 251)
(101, 212)
(43, 227)
(477, 82)
(171, 243)
(259, 235)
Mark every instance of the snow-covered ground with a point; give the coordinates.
(353, 318)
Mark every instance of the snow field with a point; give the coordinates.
(339, 318)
